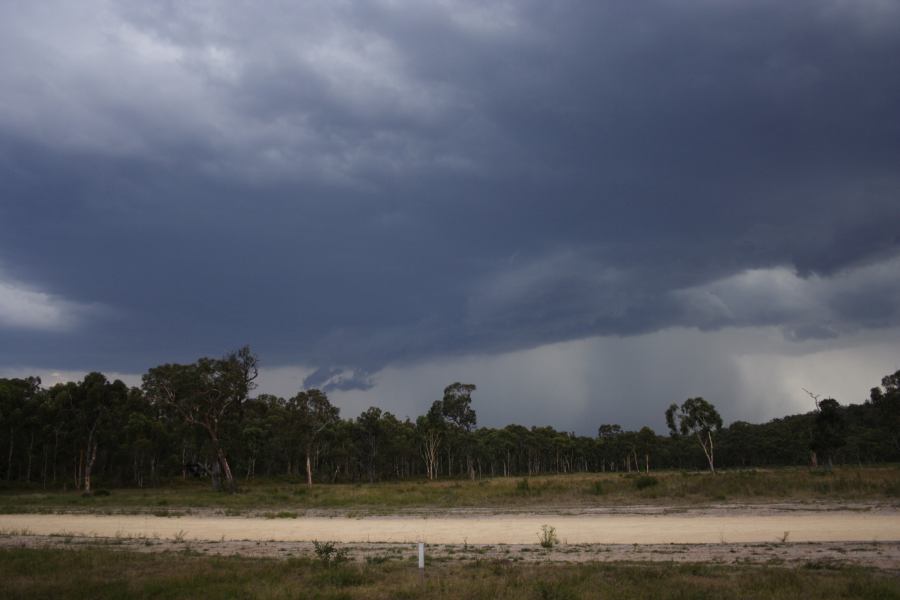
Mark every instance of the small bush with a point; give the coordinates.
(522, 486)
(597, 488)
(645, 482)
(547, 537)
(102, 493)
(328, 553)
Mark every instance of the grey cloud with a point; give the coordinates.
(349, 186)
(750, 374)
(866, 296)
(333, 378)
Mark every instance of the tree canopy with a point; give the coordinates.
(200, 419)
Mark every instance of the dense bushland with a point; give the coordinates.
(200, 420)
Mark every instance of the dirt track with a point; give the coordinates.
(691, 528)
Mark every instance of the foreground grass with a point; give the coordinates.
(284, 497)
(103, 573)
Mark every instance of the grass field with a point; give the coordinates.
(102, 573)
(286, 497)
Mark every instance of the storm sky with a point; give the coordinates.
(588, 209)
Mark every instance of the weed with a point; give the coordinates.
(328, 553)
(547, 536)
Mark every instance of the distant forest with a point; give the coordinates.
(200, 420)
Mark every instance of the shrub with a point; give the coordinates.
(328, 553)
(645, 482)
(597, 488)
(522, 486)
(547, 537)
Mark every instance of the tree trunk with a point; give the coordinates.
(12, 435)
(226, 470)
(55, 453)
(708, 450)
(309, 480)
(44, 468)
(88, 467)
(30, 457)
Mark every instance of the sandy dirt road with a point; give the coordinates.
(691, 528)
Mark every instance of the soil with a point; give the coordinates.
(782, 534)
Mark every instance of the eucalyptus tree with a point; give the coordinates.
(829, 430)
(430, 429)
(17, 402)
(310, 413)
(609, 439)
(646, 442)
(370, 430)
(206, 394)
(95, 409)
(698, 418)
(887, 405)
(456, 408)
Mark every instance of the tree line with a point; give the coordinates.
(200, 420)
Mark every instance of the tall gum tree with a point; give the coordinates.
(310, 414)
(205, 394)
(456, 408)
(698, 418)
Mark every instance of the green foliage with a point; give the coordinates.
(699, 419)
(328, 553)
(829, 429)
(191, 420)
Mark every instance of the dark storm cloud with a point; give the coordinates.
(352, 185)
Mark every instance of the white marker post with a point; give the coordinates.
(422, 562)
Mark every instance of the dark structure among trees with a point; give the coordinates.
(200, 420)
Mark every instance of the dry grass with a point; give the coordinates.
(101, 573)
(279, 498)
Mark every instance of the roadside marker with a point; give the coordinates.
(422, 562)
